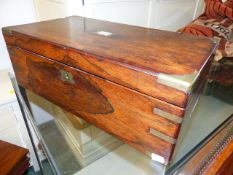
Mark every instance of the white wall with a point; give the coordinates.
(172, 14)
(161, 14)
(13, 12)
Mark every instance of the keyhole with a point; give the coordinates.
(67, 76)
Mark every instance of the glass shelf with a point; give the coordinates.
(72, 146)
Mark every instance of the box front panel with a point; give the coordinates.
(120, 111)
(143, 81)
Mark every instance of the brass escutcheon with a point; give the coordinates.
(67, 77)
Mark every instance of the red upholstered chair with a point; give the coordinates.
(217, 22)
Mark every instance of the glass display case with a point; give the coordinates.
(69, 145)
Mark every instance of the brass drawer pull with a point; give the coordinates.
(67, 77)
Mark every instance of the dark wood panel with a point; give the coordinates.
(226, 164)
(21, 167)
(120, 111)
(13, 159)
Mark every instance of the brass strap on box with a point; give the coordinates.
(156, 158)
(180, 82)
(162, 136)
(7, 31)
(167, 115)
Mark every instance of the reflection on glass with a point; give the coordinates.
(79, 148)
(214, 107)
(72, 142)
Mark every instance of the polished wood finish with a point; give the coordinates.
(121, 111)
(132, 56)
(216, 157)
(13, 159)
(111, 81)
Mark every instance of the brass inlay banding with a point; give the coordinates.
(157, 158)
(219, 146)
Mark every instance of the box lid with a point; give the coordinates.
(174, 60)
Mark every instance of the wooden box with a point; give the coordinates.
(137, 84)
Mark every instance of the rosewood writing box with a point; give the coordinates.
(137, 84)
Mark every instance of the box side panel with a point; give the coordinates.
(198, 89)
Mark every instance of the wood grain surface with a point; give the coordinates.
(13, 159)
(132, 56)
(110, 81)
(120, 111)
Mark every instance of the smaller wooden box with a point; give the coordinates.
(13, 159)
